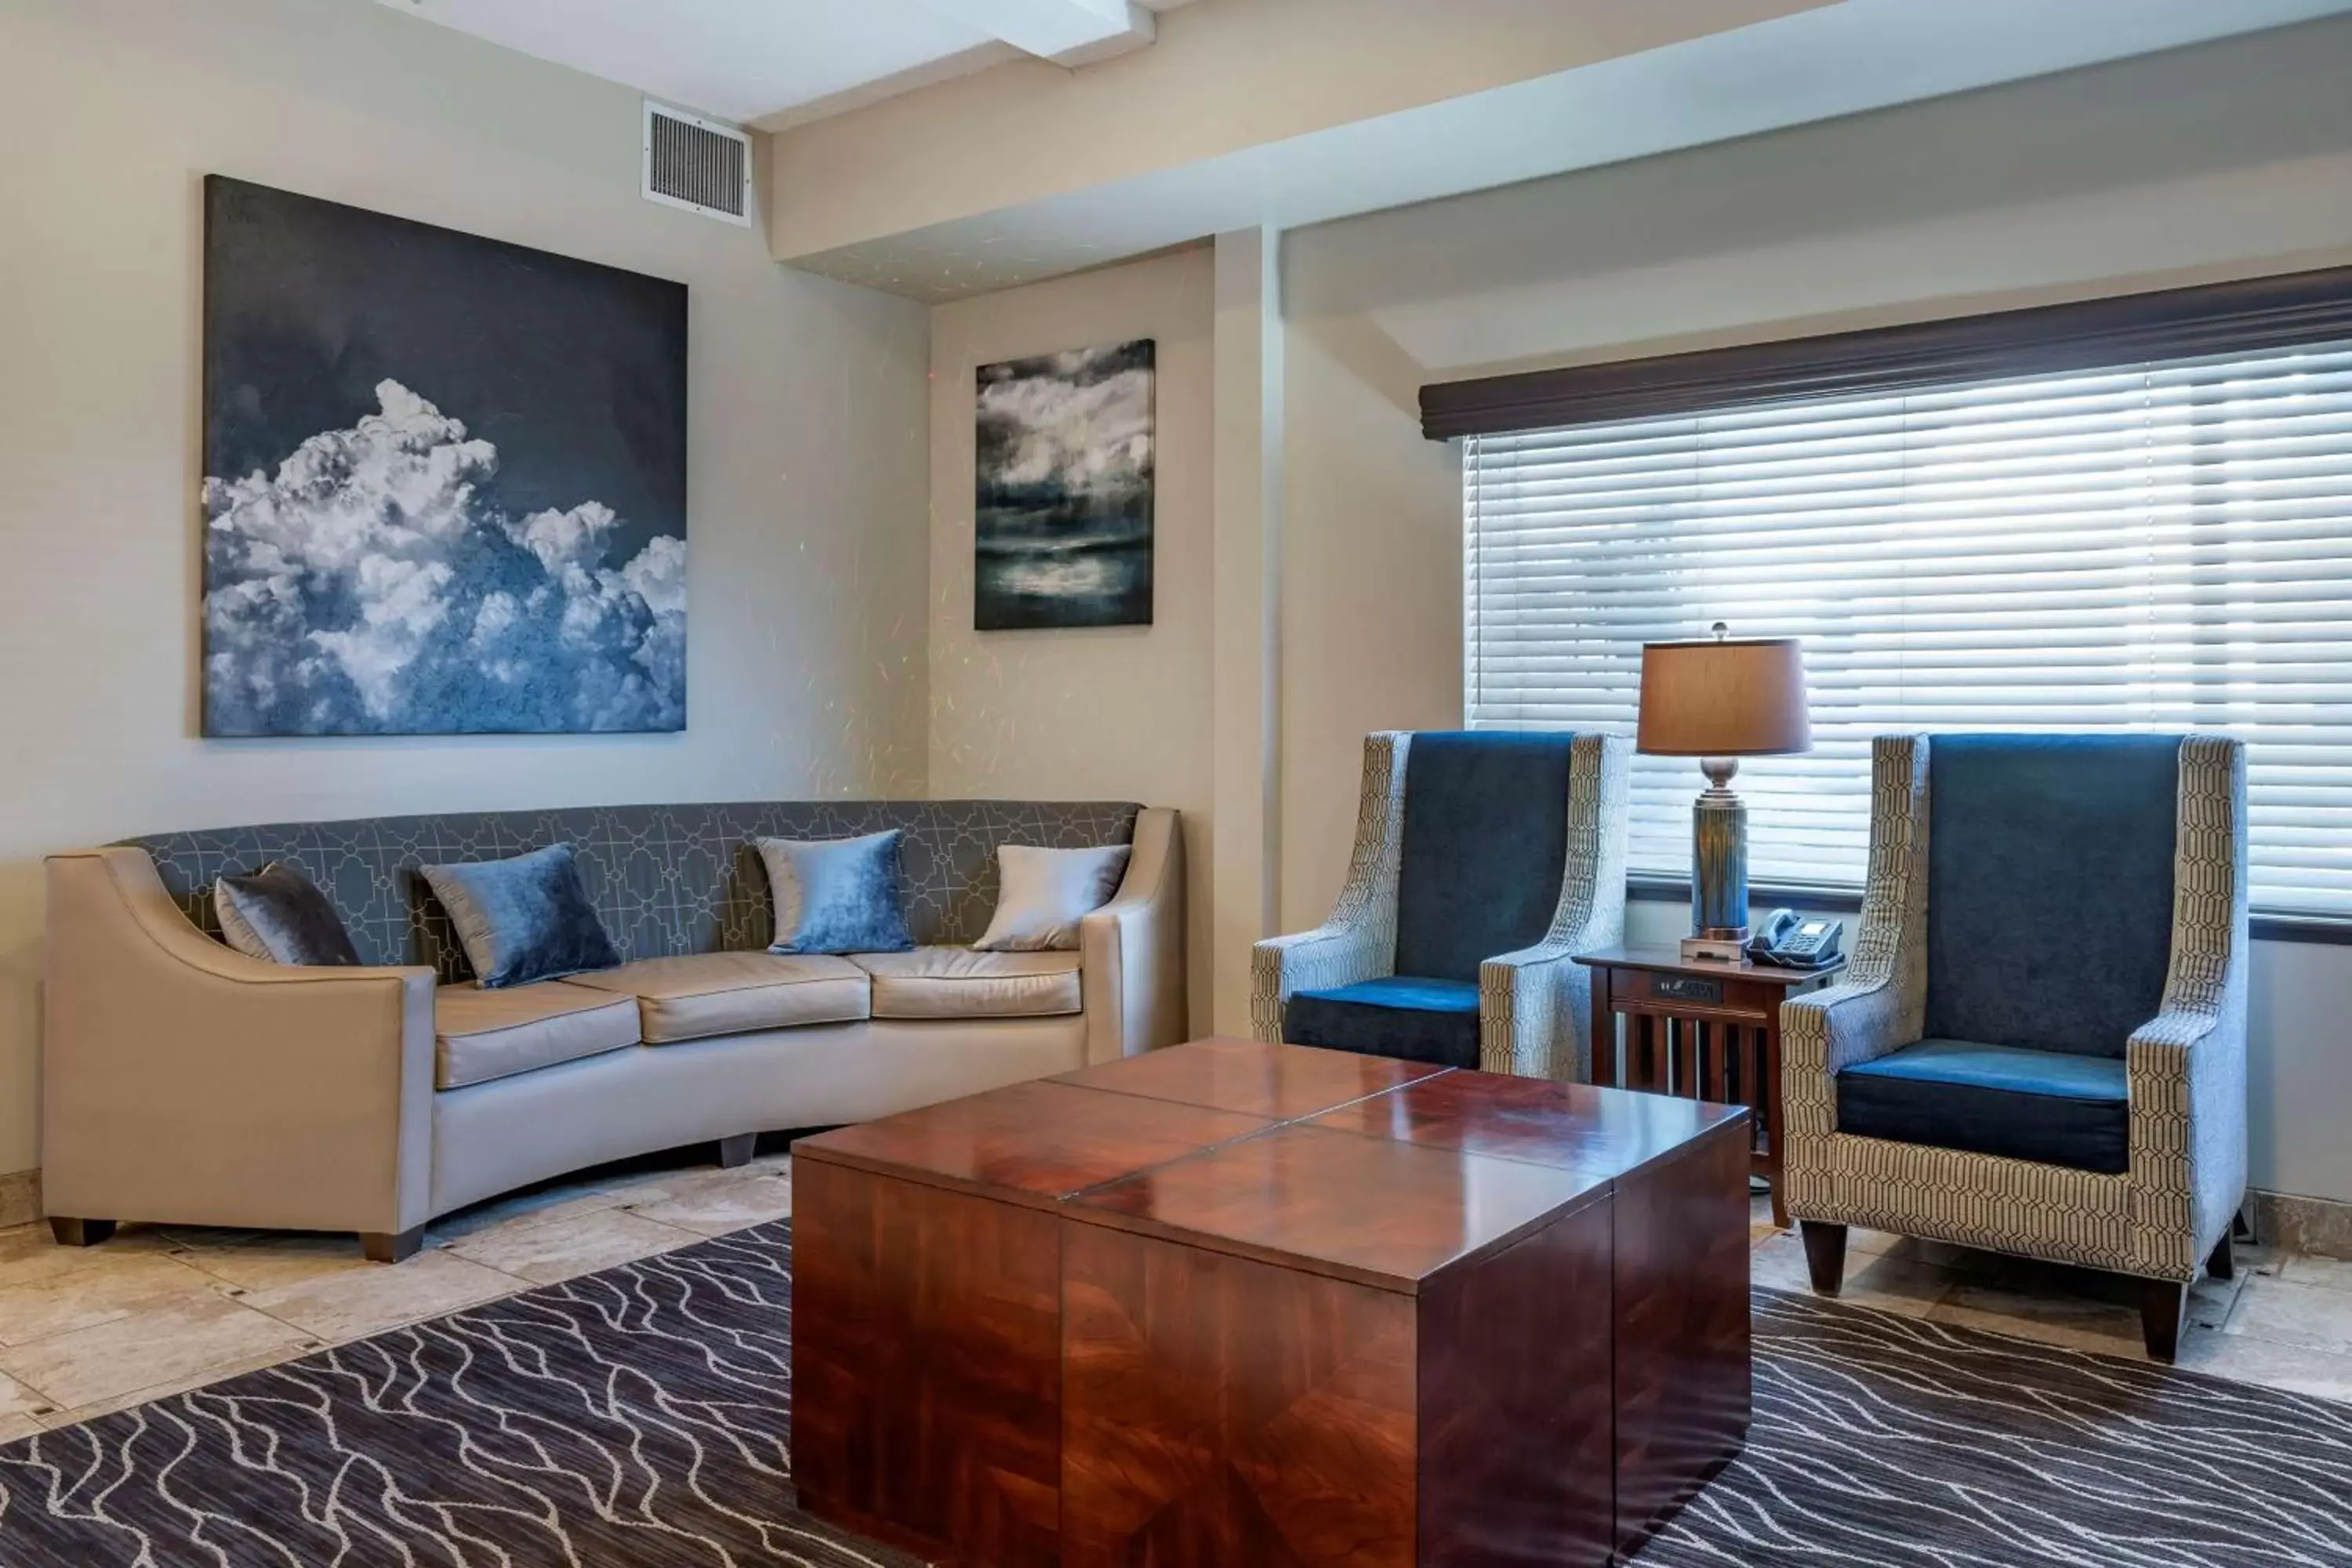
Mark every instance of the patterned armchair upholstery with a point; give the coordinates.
(1484, 861)
(2040, 1045)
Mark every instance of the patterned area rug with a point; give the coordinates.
(639, 1416)
(635, 1415)
(1879, 1441)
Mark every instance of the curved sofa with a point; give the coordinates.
(183, 1082)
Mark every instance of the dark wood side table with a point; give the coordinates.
(1703, 1031)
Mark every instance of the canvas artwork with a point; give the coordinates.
(1063, 510)
(445, 481)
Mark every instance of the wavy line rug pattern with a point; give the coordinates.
(1879, 1441)
(640, 1416)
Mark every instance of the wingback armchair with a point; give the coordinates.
(2040, 1045)
(1483, 860)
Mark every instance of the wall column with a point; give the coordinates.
(1245, 823)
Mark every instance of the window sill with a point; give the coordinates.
(1761, 895)
(2311, 929)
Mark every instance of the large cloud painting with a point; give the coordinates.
(1063, 513)
(445, 485)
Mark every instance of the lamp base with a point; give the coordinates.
(1718, 926)
(1713, 949)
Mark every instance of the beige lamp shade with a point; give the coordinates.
(1724, 699)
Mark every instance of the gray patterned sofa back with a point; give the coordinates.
(667, 879)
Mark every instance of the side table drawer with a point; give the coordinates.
(1696, 993)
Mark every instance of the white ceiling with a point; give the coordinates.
(777, 62)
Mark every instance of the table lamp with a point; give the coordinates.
(1720, 701)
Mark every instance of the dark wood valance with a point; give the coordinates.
(2249, 314)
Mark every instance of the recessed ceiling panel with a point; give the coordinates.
(738, 60)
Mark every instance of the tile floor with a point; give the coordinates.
(2285, 1321)
(161, 1309)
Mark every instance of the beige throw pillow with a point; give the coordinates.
(1042, 894)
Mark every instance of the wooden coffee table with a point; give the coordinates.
(1230, 1304)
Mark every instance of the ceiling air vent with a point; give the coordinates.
(697, 164)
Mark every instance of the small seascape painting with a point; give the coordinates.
(1063, 511)
(444, 480)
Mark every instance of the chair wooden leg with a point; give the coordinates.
(79, 1232)
(2223, 1264)
(383, 1247)
(737, 1151)
(2163, 1306)
(1824, 1255)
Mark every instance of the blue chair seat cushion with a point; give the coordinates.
(2056, 1108)
(1407, 1016)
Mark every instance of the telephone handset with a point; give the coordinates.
(1794, 942)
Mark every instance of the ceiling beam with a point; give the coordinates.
(1067, 31)
(1294, 112)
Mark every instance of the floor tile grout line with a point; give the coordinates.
(221, 1286)
(515, 1286)
(8, 1345)
(520, 1285)
(623, 1197)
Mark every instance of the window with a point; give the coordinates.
(2157, 545)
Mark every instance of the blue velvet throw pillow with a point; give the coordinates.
(279, 914)
(837, 895)
(523, 919)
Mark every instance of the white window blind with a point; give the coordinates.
(2160, 546)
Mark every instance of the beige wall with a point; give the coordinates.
(2235, 159)
(1223, 77)
(1371, 592)
(807, 554)
(1100, 713)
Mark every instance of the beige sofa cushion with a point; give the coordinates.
(705, 994)
(958, 983)
(482, 1034)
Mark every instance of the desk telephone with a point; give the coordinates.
(1793, 941)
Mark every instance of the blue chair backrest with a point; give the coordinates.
(2048, 887)
(1485, 836)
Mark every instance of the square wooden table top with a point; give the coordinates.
(1282, 1083)
(1382, 1172)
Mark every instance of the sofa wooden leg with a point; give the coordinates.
(383, 1247)
(2223, 1264)
(79, 1232)
(2163, 1306)
(737, 1151)
(1824, 1255)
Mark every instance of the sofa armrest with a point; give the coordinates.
(1339, 954)
(1358, 940)
(1529, 1002)
(1133, 948)
(184, 1081)
(1881, 1002)
(2185, 1068)
(1824, 1034)
(1535, 1005)
(2186, 1072)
